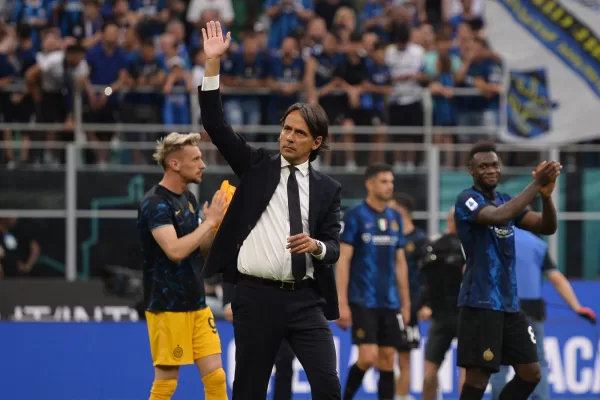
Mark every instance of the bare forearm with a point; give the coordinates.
(213, 67)
(402, 282)
(342, 278)
(549, 217)
(564, 288)
(510, 210)
(184, 246)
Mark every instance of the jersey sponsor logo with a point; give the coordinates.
(471, 204)
(502, 232)
(379, 240)
(382, 224)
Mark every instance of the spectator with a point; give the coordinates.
(87, 28)
(34, 14)
(224, 8)
(152, 14)
(481, 72)
(376, 88)
(466, 14)
(18, 250)
(287, 16)
(354, 73)
(177, 108)
(286, 76)
(20, 107)
(56, 71)
(147, 72)
(108, 69)
(344, 24)
(315, 34)
(405, 61)
(439, 68)
(374, 17)
(327, 9)
(246, 69)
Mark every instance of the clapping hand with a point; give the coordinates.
(215, 45)
(545, 175)
(216, 211)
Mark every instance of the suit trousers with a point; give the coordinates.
(284, 372)
(263, 316)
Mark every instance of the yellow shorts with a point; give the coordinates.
(180, 338)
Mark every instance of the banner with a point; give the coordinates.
(529, 107)
(562, 32)
(110, 361)
(563, 39)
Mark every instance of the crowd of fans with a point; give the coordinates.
(366, 63)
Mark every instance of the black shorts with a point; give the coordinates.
(411, 335)
(378, 326)
(439, 338)
(489, 338)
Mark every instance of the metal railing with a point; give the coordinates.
(432, 212)
(431, 171)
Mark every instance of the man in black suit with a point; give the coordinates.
(277, 242)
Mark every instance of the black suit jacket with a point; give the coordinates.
(259, 174)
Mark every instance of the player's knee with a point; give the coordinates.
(531, 373)
(477, 378)
(386, 359)
(367, 360)
(430, 381)
(163, 389)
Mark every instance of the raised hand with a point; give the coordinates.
(215, 45)
(545, 175)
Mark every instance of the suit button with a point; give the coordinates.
(249, 228)
(237, 247)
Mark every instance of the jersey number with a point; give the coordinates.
(531, 335)
(412, 334)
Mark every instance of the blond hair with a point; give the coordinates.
(172, 142)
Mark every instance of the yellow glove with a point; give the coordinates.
(230, 190)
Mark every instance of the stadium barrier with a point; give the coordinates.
(74, 357)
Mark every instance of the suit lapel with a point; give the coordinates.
(314, 203)
(273, 177)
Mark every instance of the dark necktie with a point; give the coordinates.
(298, 260)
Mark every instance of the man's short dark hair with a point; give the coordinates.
(317, 122)
(482, 147)
(375, 169)
(405, 201)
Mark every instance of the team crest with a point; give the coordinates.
(410, 247)
(191, 208)
(395, 227)
(383, 224)
(488, 355)
(178, 352)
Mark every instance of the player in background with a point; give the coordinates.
(181, 327)
(532, 263)
(441, 271)
(415, 242)
(491, 329)
(372, 281)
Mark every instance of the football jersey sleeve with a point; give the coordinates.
(156, 213)
(468, 205)
(349, 228)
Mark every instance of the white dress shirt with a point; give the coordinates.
(263, 254)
